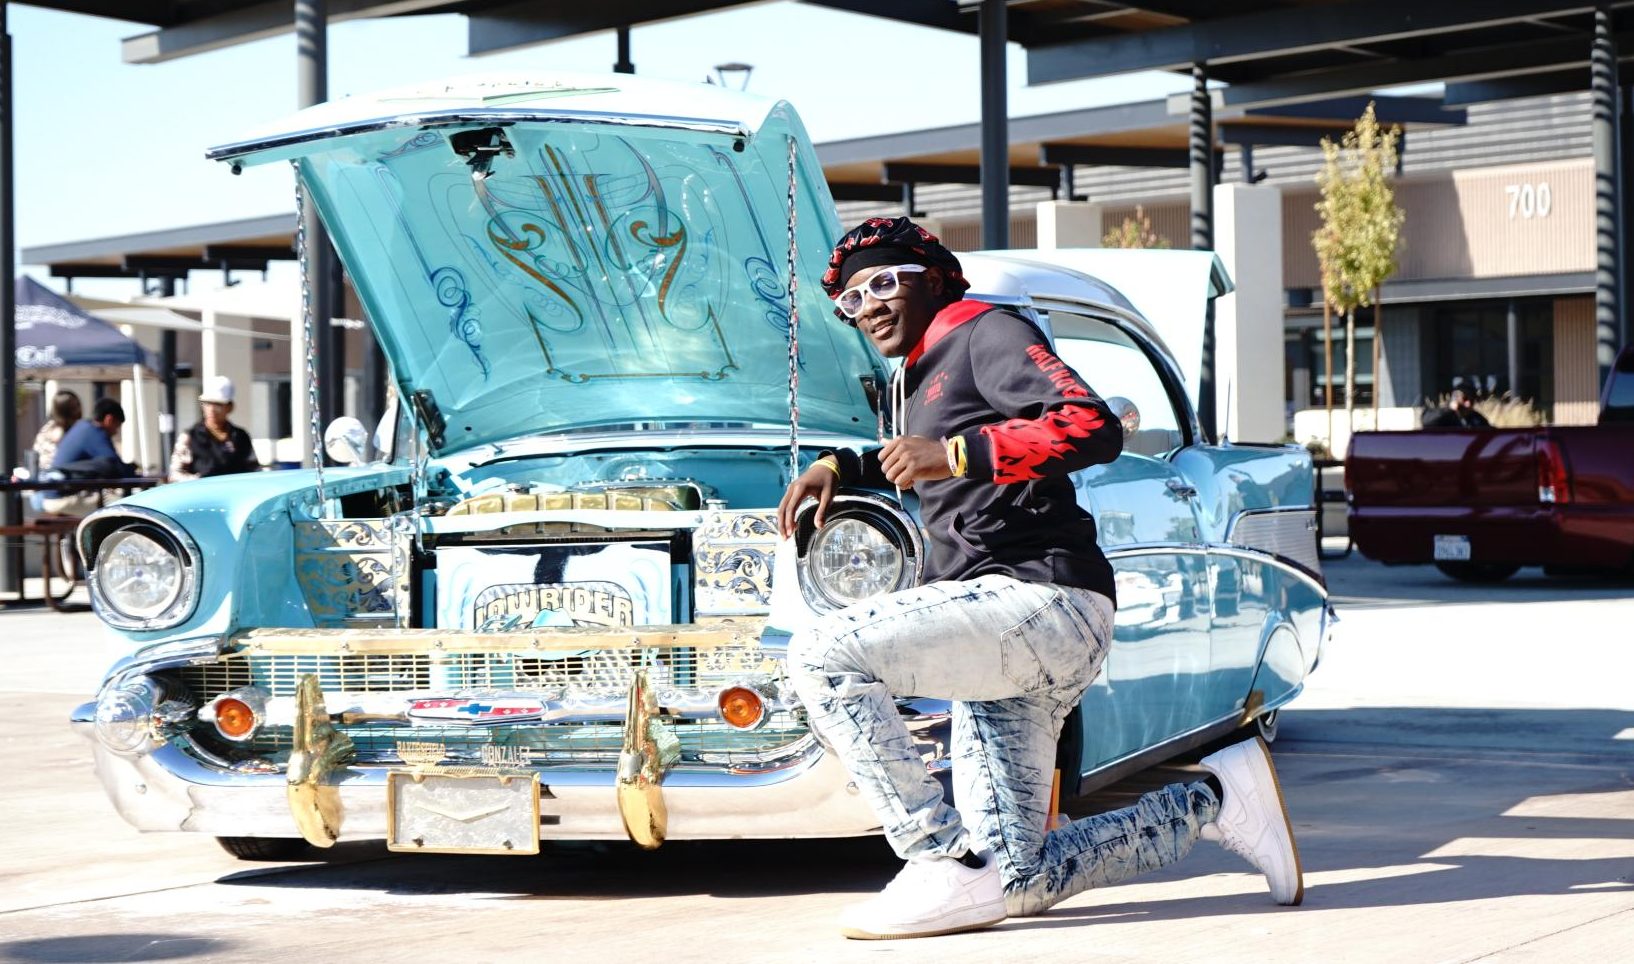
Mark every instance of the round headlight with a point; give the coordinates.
(124, 717)
(138, 576)
(850, 560)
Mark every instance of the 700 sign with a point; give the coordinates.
(1529, 200)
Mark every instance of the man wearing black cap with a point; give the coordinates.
(1460, 412)
(1013, 621)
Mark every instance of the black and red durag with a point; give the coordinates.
(888, 241)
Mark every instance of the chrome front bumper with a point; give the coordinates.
(810, 795)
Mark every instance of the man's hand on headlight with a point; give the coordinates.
(817, 482)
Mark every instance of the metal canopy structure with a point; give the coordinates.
(1268, 53)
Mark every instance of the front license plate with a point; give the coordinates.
(462, 813)
(1451, 548)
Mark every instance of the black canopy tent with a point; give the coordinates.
(56, 338)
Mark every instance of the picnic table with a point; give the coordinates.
(52, 530)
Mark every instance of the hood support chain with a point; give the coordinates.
(794, 316)
(303, 257)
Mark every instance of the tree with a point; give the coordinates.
(1135, 232)
(1359, 237)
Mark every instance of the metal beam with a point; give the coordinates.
(1387, 108)
(1279, 135)
(245, 24)
(154, 265)
(529, 22)
(967, 174)
(1276, 33)
(1505, 61)
(1113, 156)
(248, 252)
(113, 271)
(849, 191)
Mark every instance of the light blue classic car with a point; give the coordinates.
(552, 603)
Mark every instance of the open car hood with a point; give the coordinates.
(550, 253)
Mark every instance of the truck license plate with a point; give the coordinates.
(1452, 548)
(462, 813)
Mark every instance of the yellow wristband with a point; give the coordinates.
(829, 463)
(957, 457)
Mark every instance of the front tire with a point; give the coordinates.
(1266, 724)
(1481, 573)
(265, 848)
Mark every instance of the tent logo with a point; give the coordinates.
(38, 356)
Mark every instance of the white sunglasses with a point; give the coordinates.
(881, 284)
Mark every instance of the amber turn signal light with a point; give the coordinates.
(741, 707)
(235, 719)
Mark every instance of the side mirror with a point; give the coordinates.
(346, 440)
(1127, 414)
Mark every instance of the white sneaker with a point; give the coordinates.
(931, 896)
(1253, 821)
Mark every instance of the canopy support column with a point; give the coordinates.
(312, 87)
(11, 505)
(1201, 157)
(1607, 280)
(995, 127)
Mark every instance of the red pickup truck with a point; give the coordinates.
(1481, 503)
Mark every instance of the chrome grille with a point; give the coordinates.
(702, 741)
(589, 674)
(600, 672)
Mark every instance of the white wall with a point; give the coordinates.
(1248, 336)
(1069, 224)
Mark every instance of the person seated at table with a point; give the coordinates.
(213, 446)
(86, 452)
(66, 409)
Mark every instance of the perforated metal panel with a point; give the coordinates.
(1290, 533)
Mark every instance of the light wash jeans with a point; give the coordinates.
(1015, 657)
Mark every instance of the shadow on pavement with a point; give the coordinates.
(608, 870)
(98, 948)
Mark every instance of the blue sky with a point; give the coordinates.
(105, 149)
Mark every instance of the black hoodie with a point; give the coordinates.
(989, 376)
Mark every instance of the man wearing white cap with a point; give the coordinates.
(214, 446)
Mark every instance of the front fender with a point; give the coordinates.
(241, 526)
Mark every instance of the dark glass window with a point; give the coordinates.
(1316, 360)
(1470, 340)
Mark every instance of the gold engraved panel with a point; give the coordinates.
(732, 563)
(353, 572)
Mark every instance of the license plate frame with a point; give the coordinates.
(1451, 548)
(431, 804)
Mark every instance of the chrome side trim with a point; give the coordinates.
(1112, 772)
(450, 118)
(1290, 566)
(192, 569)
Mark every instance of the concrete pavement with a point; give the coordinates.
(1460, 772)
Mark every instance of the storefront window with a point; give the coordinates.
(1470, 340)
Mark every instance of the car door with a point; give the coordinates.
(1149, 690)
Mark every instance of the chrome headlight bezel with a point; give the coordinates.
(95, 533)
(879, 513)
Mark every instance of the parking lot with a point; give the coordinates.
(1460, 771)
